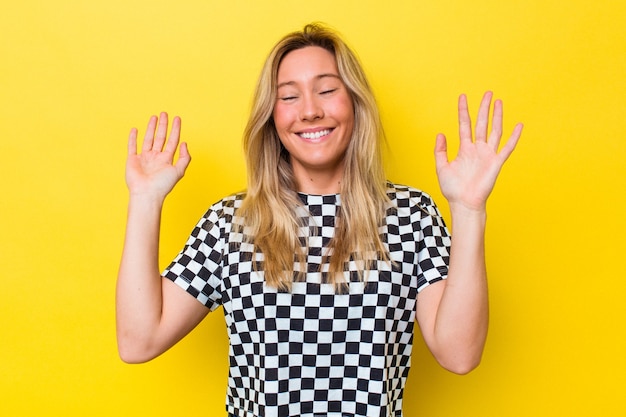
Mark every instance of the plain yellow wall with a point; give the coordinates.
(75, 76)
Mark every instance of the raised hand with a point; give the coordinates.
(153, 171)
(469, 178)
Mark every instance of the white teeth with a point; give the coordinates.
(314, 135)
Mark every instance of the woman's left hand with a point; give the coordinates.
(468, 179)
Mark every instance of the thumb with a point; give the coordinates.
(184, 158)
(441, 150)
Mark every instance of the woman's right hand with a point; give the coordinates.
(152, 312)
(152, 172)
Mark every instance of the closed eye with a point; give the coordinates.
(287, 98)
(329, 91)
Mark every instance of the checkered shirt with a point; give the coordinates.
(315, 351)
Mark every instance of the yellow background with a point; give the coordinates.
(75, 76)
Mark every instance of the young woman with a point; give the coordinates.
(322, 267)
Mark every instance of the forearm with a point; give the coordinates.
(460, 329)
(139, 287)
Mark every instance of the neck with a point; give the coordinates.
(318, 182)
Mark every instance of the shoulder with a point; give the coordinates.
(405, 196)
(228, 204)
(223, 210)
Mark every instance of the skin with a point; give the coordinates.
(153, 313)
(454, 314)
(312, 99)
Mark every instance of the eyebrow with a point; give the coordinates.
(317, 78)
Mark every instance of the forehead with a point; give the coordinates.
(305, 64)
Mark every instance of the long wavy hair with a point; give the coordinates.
(269, 213)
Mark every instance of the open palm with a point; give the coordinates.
(470, 177)
(153, 171)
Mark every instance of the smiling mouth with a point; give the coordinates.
(315, 135)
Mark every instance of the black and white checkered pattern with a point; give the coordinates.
(314, 351)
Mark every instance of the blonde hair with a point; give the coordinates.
(269, 210)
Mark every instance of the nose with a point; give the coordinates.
(311, 109)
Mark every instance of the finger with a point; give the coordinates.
(149, 136)
(483, 117)
(465, 123)
(161, 132)
(510, 144)
(496, 125)
(184, 158)
(172, 142)
(441, 150)
(132, 142)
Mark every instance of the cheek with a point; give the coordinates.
(344, 105)
(282, 116)
(347, 112)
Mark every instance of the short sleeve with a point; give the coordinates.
(417, 235)
(433, 253)
(197, 269)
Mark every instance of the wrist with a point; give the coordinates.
(462, 213)
(467, 210)
(146, 199)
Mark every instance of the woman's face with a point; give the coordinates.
(314, 117)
